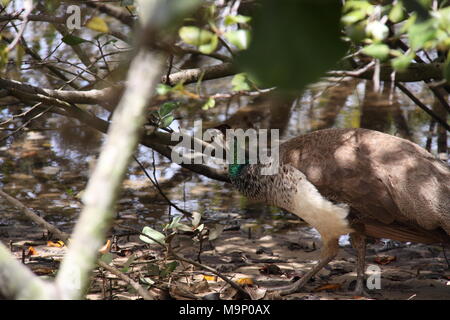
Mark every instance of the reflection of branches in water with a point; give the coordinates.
(400, 122)
(179, 176)
(27, 122)
(430, 134)
(156, 185)
(439, 109)
(422, 106)
(332, 100)
(375, 108)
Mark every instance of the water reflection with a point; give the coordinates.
(48, 165)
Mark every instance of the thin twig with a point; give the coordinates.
(422, 106)
(29, 7)
(33, 216)
(156, 185)
(212, 270)
(26, 123)
(136, 286)
(171, 252)
(19, 115)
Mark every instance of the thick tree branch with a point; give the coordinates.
(104, 185)
(208, 73)
(104, 96)
(34, 17)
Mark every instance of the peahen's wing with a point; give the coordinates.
(386, 180)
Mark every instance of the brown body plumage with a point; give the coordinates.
(395, 188)
(356, 181)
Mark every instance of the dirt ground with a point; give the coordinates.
(257, 260)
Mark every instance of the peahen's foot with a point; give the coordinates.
(328, 253)
(290, 289)
(361, 292)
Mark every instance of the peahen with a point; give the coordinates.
(354, 181)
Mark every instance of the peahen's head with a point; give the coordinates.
(234, 168)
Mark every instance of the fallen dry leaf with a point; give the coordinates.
(29, 154)
(271, 269)
(106, 248)
(210, 278)
(200, 287)
(248, 281)
(255, 293)
(384, 259)
(328, 286)
(57, 244)
(31, 251)
(42, 271)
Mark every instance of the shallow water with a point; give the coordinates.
(47, 166)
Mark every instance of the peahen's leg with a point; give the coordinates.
(359, 244)
(329, 251)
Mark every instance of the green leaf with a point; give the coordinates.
(420, 33)
(377, 50)
(355, 11)
(72, 40)
(173, 224)
(443, 16)
(163, 89)
(126, 265)
(195, 36)
(356, 32)
(167, 108)
(176, 225)
(239, 38)
(397, 13)
(379, 31)
(353, 17)
(401, 63)
(168, 269)
(293, 42)
(210, 103)
(98, 24)
(166, 121)
(153, 236)
(107, 258)
(240, 82)
(229, 20)
(209, 47)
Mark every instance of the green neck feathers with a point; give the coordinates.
(234, 168)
